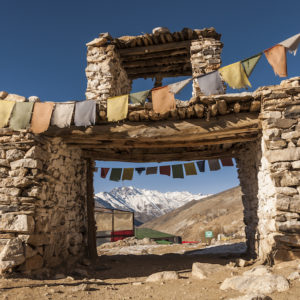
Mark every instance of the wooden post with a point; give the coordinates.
(112, 224)
(92, 248)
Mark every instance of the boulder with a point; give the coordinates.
(3, 94)
(11, 222)
(34, 263)
(12, 255)
(288, 154)
(203, 270)
(161, 276)
(26, 163)
(252, 297)
(259, 280)
(14, 154)
(34, 99)
(293, 276)
(158, 30)
(15, 97)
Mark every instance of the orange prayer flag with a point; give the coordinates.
(276, 57)
(163, 100)
(41, 117)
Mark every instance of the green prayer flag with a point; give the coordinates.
(21, 115)
(139, 98)
(177, 171)
(115, 174)
(250, 63)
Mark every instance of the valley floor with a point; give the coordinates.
(124, 277)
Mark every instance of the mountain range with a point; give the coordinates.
(219, 213)
(147, 204)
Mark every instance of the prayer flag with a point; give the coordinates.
(177, 171)
(214, 164)
(276, 57)
(115, 174)
(190, 169)
(85, 113)
(201, 165)
(117, 108)
(104, 172)
(178, 86)
(21, 115)
(211, 84)
(292, 43)
(41, 116)
(151, 170)
(250, 63)
(6, 108)
(139, 98)
(62, 114)
(163, 100)
(165, 170)
(235, 75)
(127, 174)
(140, 170)
(227, 162)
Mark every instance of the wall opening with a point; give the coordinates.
(183, 208)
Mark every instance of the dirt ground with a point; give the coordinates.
(123, 277)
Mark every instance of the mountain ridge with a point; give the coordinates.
(147, 204)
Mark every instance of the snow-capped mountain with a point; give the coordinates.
(147, 204)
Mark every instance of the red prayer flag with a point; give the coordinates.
(227, 162)
(165, 170)
(104, 172)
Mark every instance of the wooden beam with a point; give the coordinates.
(183, 52)
(154, 48)
(155, 157)
(178, 67)
(161, 74)
(154, 62)
(90, 205)
(213, 140)
(162, 145)
(160, 130)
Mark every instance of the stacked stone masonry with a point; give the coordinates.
(46, 183)
(107, 77)
(42, 203)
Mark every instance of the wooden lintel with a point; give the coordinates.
(153, 48)
(182, 59)
(162, 146)
(93, 144)
(177, 67)
(154, 157)
(170, 53)
(161, 74)
(163, 130)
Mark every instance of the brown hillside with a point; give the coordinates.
(221, 213)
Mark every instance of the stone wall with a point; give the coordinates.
(205, 57)
(107, 78)
(42, 203)
(105, 75)
(247, 161)
(279, 174)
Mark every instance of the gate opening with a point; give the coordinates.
(159, 214)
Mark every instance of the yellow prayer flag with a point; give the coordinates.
(190, 169)
(6, 108)
(117, 108)
(235, 75)
(127, 174)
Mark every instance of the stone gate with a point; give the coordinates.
(46, 190)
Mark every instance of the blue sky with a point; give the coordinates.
(43, 50)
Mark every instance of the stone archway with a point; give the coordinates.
(46, 194)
